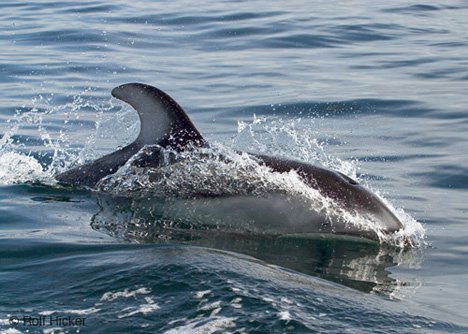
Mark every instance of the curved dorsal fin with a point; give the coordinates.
(163, 121)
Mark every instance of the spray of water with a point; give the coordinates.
(218, 170)
(45, 138)
(297, 138)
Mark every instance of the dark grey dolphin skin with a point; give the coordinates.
(164, 122)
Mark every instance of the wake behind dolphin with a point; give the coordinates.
(165, 126)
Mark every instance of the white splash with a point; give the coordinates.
(289, 138)
(126, 293)
(32, 124)
(90, 310)
(10, 331)
(201, 294)
(18, 168)
(202, 326)
(149, 307)
(285, 316)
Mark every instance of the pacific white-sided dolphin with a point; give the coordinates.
(165, 124)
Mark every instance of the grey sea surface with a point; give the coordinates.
(375, 90)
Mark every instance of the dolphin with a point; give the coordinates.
(165, 124)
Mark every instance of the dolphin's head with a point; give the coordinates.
(356, 198)
(344, 191)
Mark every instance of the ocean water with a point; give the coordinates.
(376, 91)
